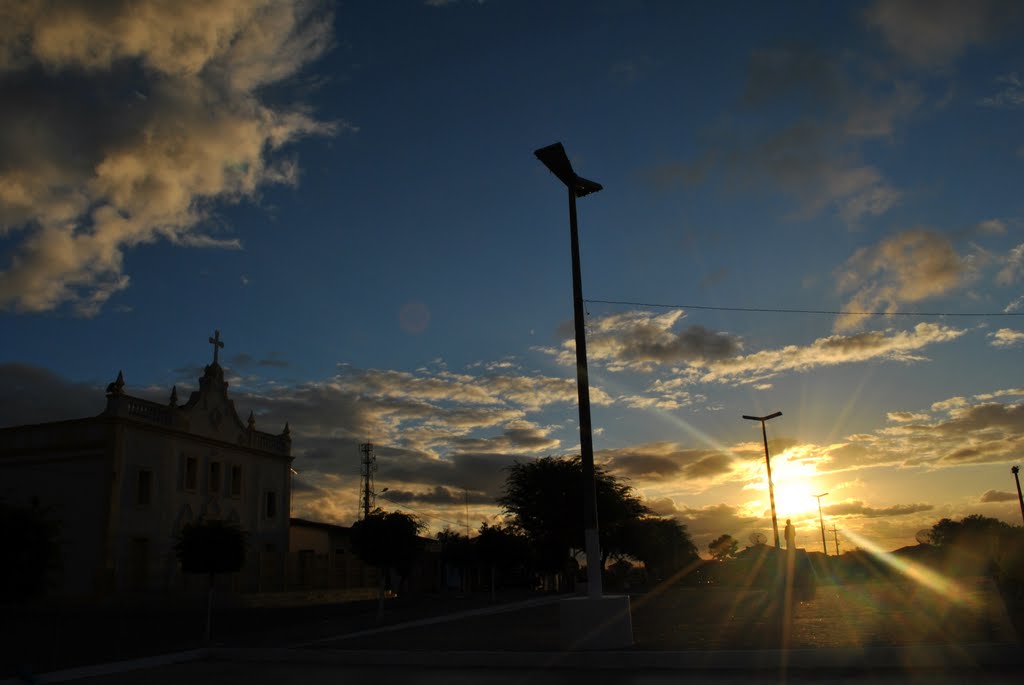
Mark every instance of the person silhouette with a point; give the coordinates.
(790, 535)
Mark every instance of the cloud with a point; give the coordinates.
(1006, 337)
(130, 123)
(665, 461)
(856, 508)
(997, 496)
(986, 428)
(803, 119)
(1013, 266)
(900, 346)
(933, 33)
(30, 394)
(639, 341)
(1011, 94)
(903, 268)
(907, 416)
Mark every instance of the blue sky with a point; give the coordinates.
(348, 192)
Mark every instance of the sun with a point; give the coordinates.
(796, 482)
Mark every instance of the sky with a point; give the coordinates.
(347, 191)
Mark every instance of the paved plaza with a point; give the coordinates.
(875, 632)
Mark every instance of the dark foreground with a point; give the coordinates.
(838, 632)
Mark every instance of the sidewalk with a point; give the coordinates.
(879, 630)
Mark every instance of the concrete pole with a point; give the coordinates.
(590, 525)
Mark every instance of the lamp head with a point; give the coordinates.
(557, 162)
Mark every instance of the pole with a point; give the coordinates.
(771, 488)
(590, 536)
(835, 533)
(768, 463)
(821, 521)
(1020, 497)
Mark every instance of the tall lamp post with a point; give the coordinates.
(768, 463)
(557, 162)
(821, 520)
(1020, 498)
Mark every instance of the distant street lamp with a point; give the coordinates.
(1020, 498)
(821, 520)
(768, 463)
(557, 162)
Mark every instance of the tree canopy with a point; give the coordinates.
(387, 539)
(723, 547)
(543, 499)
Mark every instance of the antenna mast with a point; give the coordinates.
(368, 466)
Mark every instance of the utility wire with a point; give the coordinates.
(420, 513)
(774, 310)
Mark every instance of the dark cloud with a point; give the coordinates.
(661, 461)
(933, 33)
(30, 394)
(438, 495)
(998, 496)
(858, 508)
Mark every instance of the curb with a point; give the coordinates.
(112, 667)
(873, 658)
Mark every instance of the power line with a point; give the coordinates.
(778, 310)
(418, 512)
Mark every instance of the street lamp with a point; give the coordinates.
(557, 162)
(822, 522)
(768, 463)
(1020, 498)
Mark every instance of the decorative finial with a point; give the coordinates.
(252, 421)
(174, 396)
(217, 344)
(117, 387)
(287, 432)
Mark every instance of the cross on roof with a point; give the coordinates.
(217, 343)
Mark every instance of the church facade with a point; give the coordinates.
(122, 484)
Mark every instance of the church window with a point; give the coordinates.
(236, 481)
(214, 477)
(144, 487)
(271, 505)
(191, 471)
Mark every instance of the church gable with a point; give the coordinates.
(208, 413)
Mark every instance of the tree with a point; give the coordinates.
(662, 544)
(388, 540)
(723, 547)
(210, 546)
(500, 549)
(32, 552)
(456, 554)
(544, 500)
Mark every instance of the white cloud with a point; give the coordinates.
(900, 346)
(903, 268)
(125, 124)
(1006, 337)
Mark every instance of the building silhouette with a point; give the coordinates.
(122, 484)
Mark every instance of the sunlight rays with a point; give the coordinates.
(923, 576)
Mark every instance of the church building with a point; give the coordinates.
(122, 484)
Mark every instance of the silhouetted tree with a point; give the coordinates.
(544, 500)
(31, 552)
(723, 547)
(981, 544)
(456, 553)
(499, 549)
(210, 546)
(388, 540)
(662, 544)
